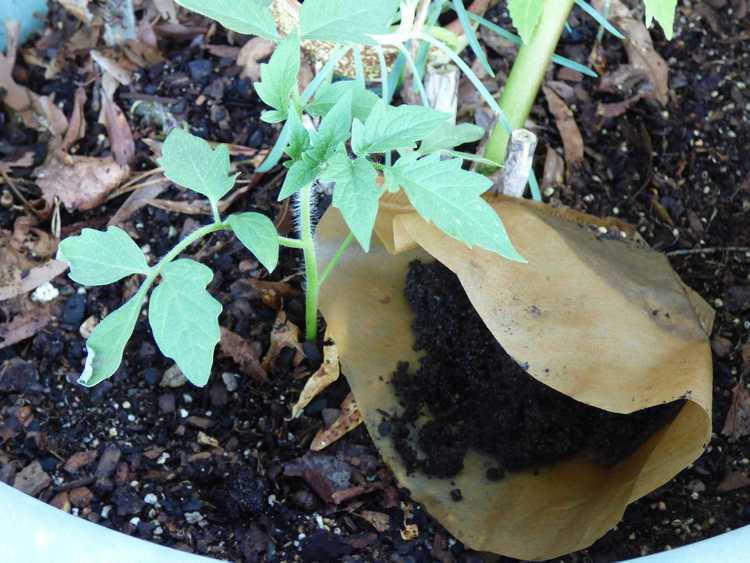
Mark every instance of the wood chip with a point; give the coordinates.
(32, 480)
(380, 521)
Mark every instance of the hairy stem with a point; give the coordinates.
(527, 75)
(312, 290)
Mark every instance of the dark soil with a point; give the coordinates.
(478, 397)
(144, 460)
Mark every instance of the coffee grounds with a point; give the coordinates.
(477, 396)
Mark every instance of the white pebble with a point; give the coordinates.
(45, 293)
(151, 499)
(193, 517)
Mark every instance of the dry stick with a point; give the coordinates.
(710, 250)
(12, 185)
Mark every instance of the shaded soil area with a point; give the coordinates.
(478, 397)
(225, 471)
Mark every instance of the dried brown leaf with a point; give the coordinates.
(737, 423)
(328, 372)
(77, 123)
(24, 326)
(251, 54)
(732, 481)
(640, 49)
(554, 170)
(378, 520)
(23, 161)
(16, 97)
(138, 199)
(79, 9)
(112, 67)
(243, 353)
(566, 125)
(82, 182)
(284, 334)
(347, 421)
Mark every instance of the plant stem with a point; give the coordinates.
(336, 257)
(527, 75)
(180, 247)
(291, 242)
(215, 211)
(311, 263)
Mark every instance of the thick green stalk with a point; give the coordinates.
(527, 75)
(311, 264)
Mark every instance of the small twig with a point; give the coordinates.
(710, 250)
(12, 185)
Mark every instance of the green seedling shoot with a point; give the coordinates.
(334, 132)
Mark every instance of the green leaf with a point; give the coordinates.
(107, 342)
(390, 128)
(363, 99)
(299, 138)
(334, 129)
(190, 162)
(356, 194)
(102, 257)
(249, 17)
(258, 233)
(600, 18)
(664, 12)
(343, 21)
(272, 116)
(448, 137)
(471, 35)
(445, 194)
(300, 174)
(279, 75)
(184, 318)
(525, 15)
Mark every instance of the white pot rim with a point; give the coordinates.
(32, 531)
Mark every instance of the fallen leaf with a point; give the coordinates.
(347, 421)
(566, 125)
(111, 67)
(732, 481)
(167, 10)
(118, 129)
(24, 326)
(82, 182)
(77, 122)
(328, 372)
(273, 293)
(378, 520)
(37, 112)
(251, 54)
(243, 353)
(284, 334)
(640, 49)
(16, 97)
(554, 170)
(737, 423)
(326, 474)
(23, 161)
(79, 9)
(34, 278)
(138, 199)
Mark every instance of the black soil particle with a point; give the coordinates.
(477, 396)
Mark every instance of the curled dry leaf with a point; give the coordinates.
(23, 161)
(77, 123)
(566, 125)
(81, 182)
(243, 353)
(111, 67)
(737, 423)
(347, 421)
(328, 372)
(79, 9)
(138, 199)
(118, 129)
(251, 54)
(284, 334)
(167, 10)
(640, 49)
(554, 170)
(378, 520)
